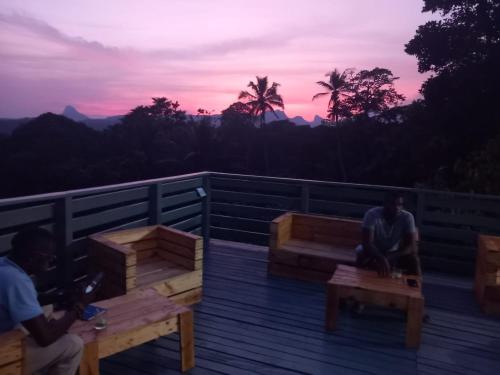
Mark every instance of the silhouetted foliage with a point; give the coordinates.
(461, 97)
(263, 98)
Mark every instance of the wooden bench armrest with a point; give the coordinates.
(180, 237)
(281, 230)
(99, 240)
(11, 346)
(491, 243)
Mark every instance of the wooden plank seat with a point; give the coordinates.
(309, 247)
(487, 277)
(368, 287)
(11, 352)
(132, 320)
(157, 256)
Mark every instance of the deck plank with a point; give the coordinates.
(249, 323)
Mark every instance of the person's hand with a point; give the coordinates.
(383, 266)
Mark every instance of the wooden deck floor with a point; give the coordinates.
(249, 323)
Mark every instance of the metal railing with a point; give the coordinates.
(240, 208)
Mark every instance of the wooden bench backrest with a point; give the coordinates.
(329, 230)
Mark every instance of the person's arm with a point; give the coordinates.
(368, 238)
(408, 244)
(46, 332)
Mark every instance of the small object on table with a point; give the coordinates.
(365, 286)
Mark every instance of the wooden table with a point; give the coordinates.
(366, 286)
(132, 320)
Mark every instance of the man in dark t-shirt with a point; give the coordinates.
(389, 238)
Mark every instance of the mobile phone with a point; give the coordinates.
(412, 283)
(92, 311)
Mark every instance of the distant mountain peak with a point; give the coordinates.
(72, 113)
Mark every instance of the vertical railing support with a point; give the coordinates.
(420, 209)
(304, 206)
(206, 212)
(155, 195)
(64, 237)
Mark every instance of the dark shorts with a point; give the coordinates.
(409, 263)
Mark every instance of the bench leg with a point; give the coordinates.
(90, 360)
(332, 306)
(414, 322)
(186, 341)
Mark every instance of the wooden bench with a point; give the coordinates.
(157, 256)
(309, 247)
(132, 320)
(487, 278)
(366, 286)
(11, 352)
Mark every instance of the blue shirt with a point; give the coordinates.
(18, 296)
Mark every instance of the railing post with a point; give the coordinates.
(154, 204)
(304, 206)
(420, 209)
(206, 212)
(64, 237)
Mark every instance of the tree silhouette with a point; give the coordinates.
(263, 98)
(338, 87)
(372, 92)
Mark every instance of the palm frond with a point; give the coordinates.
(325, 85)
(246, 95)
(318, 95)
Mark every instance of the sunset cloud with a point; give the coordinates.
(48, 61)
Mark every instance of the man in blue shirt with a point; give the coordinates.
(49, 348)
(389, 238)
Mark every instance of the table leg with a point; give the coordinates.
(186, 341)
(332, 306)
(414, 322)
(90, 359)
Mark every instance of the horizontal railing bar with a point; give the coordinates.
(95, 190)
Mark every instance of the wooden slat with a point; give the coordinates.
(242, 211)
(10, 347)
(179, 213)
(188, 263)
(180, 237)
(186, 340)
(239, 236)
(192, 252)
(131, 235)
(177, 186)
(109, 199)
(449, 234)
(180, 283)
(142, 245)
(230, 222)
(107, 216)
(338, 208)
(465, 220)
(269, 201)
(27, 215)
(116, 344)
(186, 225)
(473, 202)
(179, 199)
(261, 187)
(130, 225)
(12, 369)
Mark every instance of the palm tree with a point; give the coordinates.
(338, 87)
(263, 98)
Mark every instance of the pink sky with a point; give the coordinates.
(106, 57)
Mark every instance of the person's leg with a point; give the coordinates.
(60, 358)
